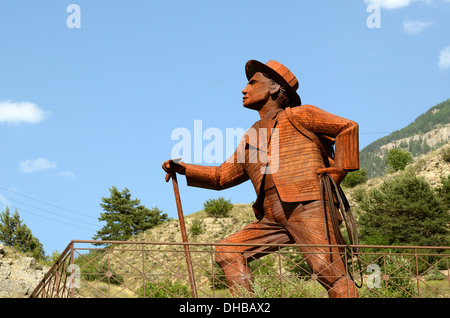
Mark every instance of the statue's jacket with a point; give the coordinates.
(286, 152)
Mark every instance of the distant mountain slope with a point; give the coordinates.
(427, 132)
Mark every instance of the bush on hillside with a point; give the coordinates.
(218, 208)
(354, 178)
(196, 227)
(165, 289)
(398, 159)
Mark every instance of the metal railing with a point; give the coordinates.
(158, 269)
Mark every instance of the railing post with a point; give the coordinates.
(72, 274)
(143, 270)
(213, 272)
(417, 273)
(57, 281)
(281, 271)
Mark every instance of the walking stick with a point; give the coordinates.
(187, 253)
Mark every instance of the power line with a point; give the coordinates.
(50, 204)
(48, 218)
(47, 211)
(376, 133)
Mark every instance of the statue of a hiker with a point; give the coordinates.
(296, 180)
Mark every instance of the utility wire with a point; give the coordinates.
(48, 218)
(50, 204)
(375, 133)
(54, 213)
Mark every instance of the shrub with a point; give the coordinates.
(354, 178)
(196, 227)
(164, 289)
(359, 194)
(218, 208)
(446, 154)
(398, 159)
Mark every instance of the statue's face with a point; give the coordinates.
(257, 92)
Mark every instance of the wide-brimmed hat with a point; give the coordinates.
(279, 73)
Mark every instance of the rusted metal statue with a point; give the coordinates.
(306, 153)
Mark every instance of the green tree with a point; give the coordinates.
(444, 191)
(15, 233)
(218, 207)
(404, 210)
(354, 178)
(125, 216)
(397, 159)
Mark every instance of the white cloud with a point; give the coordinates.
(392, 4)
(67, 174)
(415, 27)
(38, 164)
(444, 58)
(16, 112)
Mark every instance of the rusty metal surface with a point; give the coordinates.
(123, 268)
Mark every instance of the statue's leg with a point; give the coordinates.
(234, 259)
(306, 224)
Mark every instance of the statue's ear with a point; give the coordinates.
(274, 89)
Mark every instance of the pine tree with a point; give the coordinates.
(15, 233)
(125, 216)
(8, 226)
(404, 210)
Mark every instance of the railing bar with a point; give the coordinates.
(143, 270)
(72, 262)
(252, 244)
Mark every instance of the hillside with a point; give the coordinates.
(19, 273)
(427, 132)
(213, 229)
(430, 166)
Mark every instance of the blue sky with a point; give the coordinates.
(84, 109)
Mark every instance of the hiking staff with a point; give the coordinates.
(173, 175)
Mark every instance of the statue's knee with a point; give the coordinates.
(223, 256)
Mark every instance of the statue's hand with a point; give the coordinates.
(337, 174)
(172, 166)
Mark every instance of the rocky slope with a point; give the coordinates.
(432, 166)
(18, 274)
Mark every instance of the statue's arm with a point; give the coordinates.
(227, 175)
(345, 132)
